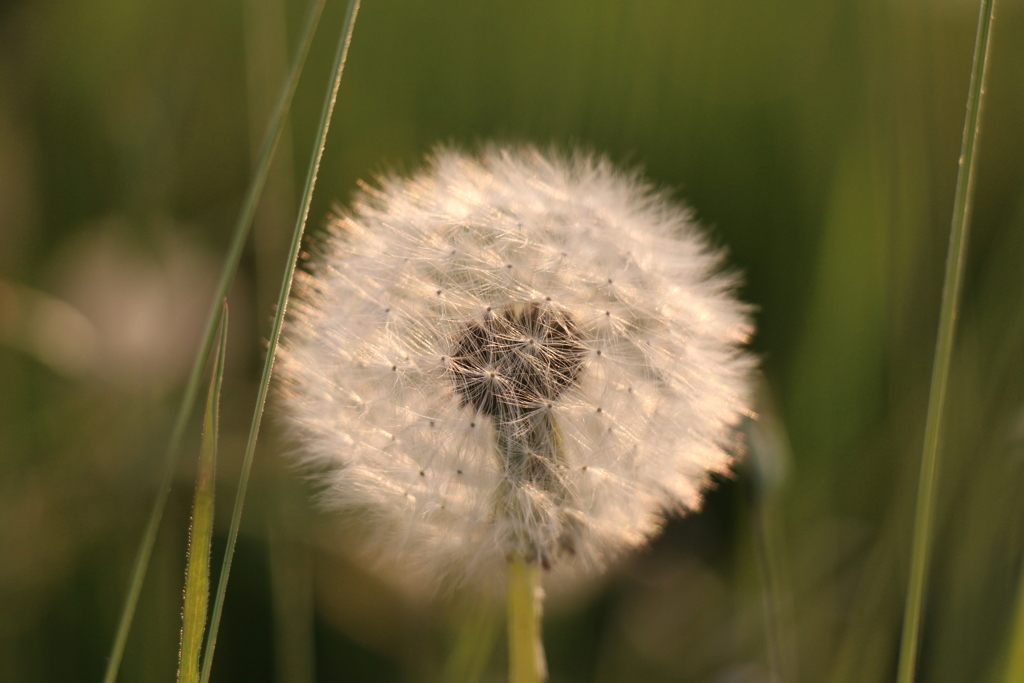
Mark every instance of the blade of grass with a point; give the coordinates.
(771, 453)
(197, 573)
(291, 586)
(921, 543)
(282, 304)
(477, 634)
(273, 136)
(1014, 667)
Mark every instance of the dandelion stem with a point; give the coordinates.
(286, 285)
(525, 649)
(943, 352)
(270, 142)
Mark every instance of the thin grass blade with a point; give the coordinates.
(275, 334)
(921, 544)
(241, 232)
(474, 643)
(1013, 670)
(197, 572)
(771, 453)
(291, 587)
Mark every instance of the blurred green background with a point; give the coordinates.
(818, 141)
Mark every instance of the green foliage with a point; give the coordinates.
(951, 288)
(344, 39)
(818, 139)
(197, 574)
(273, 137)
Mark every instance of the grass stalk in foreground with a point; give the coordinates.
(525, 648)
(241, 232)
(770, 453)
(1013, 669)
(943, 352)
(282, 304)
(197, 573)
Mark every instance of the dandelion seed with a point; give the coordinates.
(515, 356)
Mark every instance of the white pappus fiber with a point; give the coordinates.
(514, 354)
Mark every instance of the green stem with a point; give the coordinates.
(1014, 667)
(943, 353)
(275, 334)
(525, 648)
(197, 572)
(241, 232)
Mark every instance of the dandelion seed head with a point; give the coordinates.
(514, 354)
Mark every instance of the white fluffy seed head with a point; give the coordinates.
(516, 354)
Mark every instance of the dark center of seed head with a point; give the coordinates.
(517, 360)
